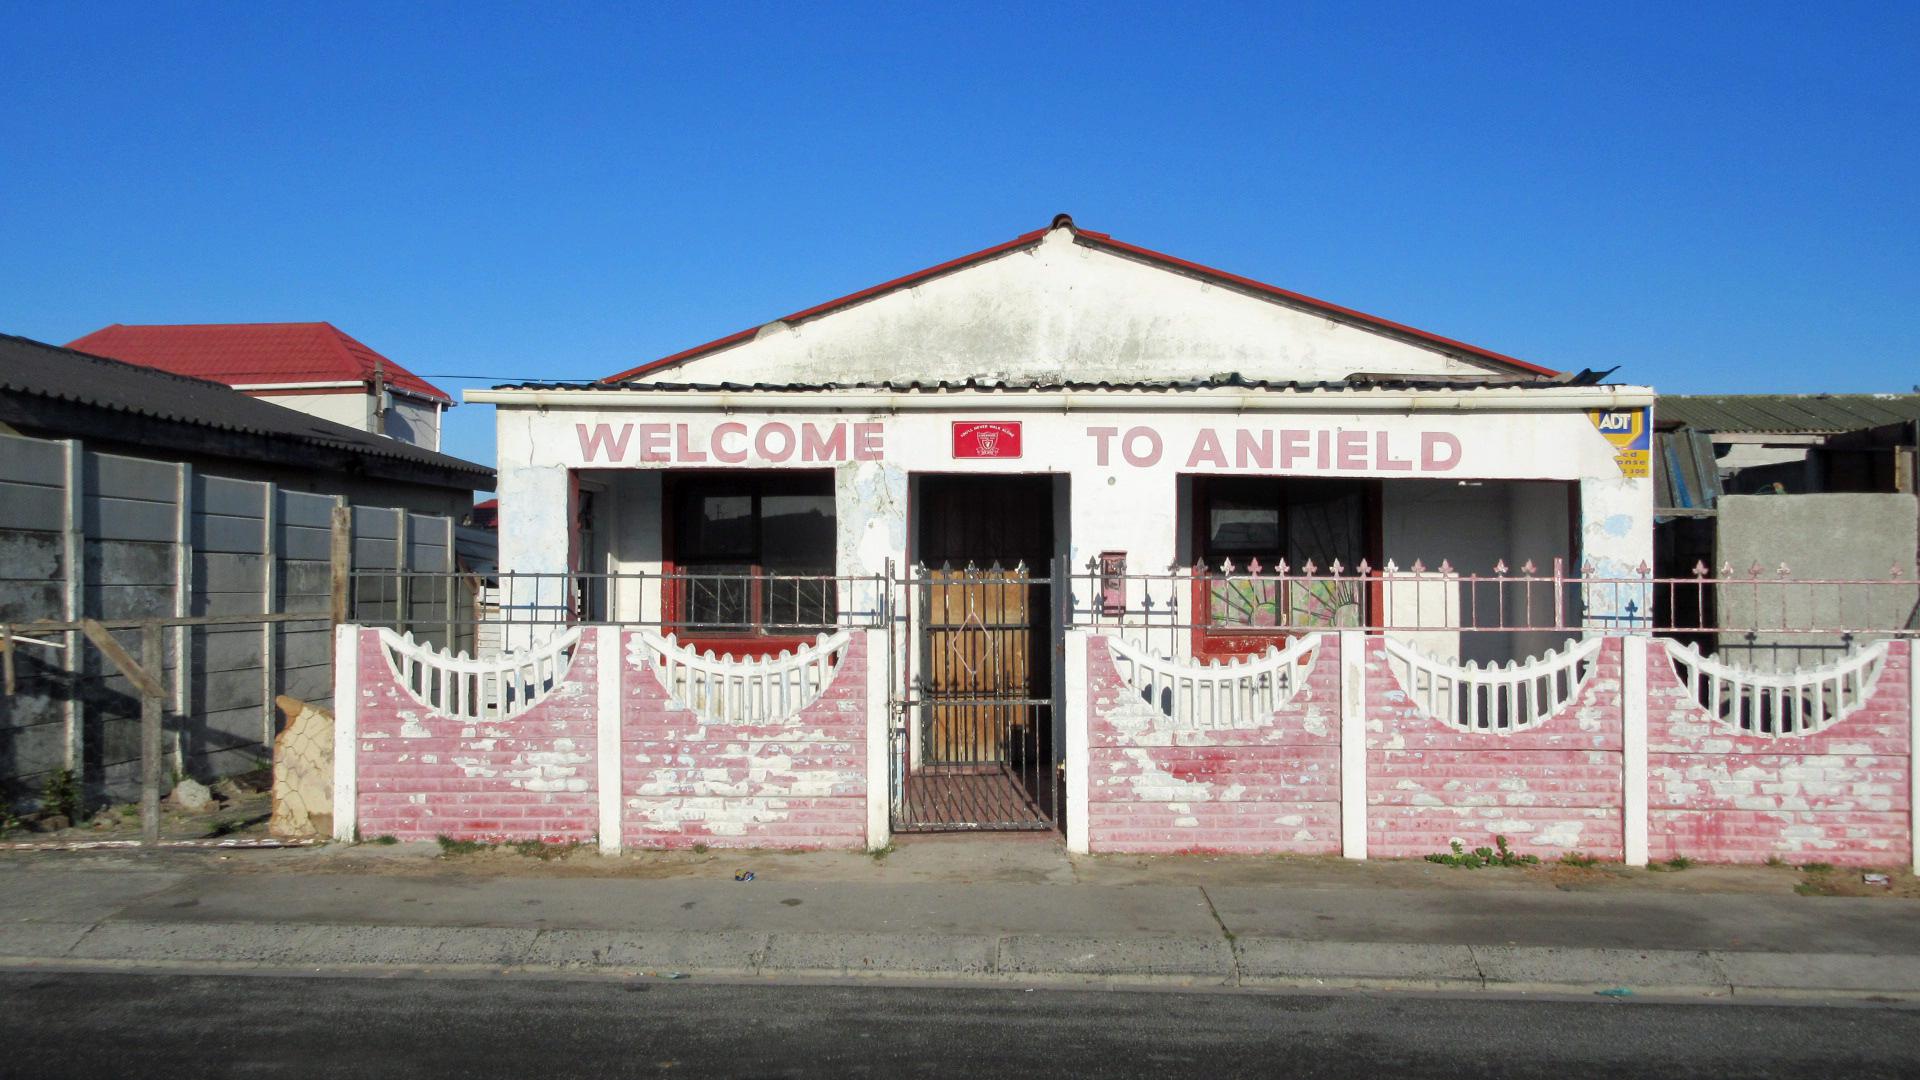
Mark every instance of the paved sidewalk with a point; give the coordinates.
(1039, 919)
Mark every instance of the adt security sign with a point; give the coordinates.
(1632, 443)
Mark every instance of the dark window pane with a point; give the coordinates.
(1239, 525)
(796, 533)
(798, 603)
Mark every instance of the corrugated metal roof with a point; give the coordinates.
(241, 354)
(1786, 413)
(48, 371)
(1225, 380)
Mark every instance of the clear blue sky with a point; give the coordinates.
(1717, 199)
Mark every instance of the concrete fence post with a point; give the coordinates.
(1633, 747)
(1353, 743)
(1079, 739)
(879, 740)
(610, 665)
(346, 731)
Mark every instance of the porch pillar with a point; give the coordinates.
(1616, 542)
(609, 665)
(535, 536)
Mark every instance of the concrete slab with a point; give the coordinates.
(254, 943)
(1197, 959)
(39, 938)
(1599, 920)
(727, 951)
(407, 946)
(36, 891)
(882, 954)
(1758, 972)
(1286, 961)
(1553, 968)
(680, 904)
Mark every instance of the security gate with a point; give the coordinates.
(978, 749)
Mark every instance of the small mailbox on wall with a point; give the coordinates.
(1113, 582)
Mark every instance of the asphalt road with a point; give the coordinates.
(55, 1024)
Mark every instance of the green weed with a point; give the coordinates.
(1498, 855)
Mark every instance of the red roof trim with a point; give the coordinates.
(1094, 239)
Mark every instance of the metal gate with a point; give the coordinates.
(977, 748)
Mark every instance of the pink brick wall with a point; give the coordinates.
(1839, 795)
(1550, 788)
(798, 783)
(423, 773)
(1158, 785)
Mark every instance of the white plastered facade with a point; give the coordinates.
(1470, 474)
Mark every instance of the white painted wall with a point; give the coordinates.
(352, 408)
(409, 420)
(1064, 310)
(1116, 504)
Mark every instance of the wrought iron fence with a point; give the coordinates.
(1230, 608)
(467, 607)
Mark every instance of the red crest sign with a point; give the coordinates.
(986, 438)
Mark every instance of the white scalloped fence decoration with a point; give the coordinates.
(1783, 703)
(1494, 699)
(748, 690)
(471, 689)
(1216, 694)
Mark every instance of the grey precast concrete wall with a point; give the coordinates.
(1845, 536)
(92, 535)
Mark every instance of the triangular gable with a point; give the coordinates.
(1064, 302)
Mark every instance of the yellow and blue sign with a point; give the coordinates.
(1627, 430)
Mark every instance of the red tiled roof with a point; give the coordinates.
(1102, 240)
(241, 354)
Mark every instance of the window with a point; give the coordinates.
(753, 552)
(1273, 518)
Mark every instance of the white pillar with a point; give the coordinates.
(1616, 540)
(1633, 745)
(346, 730)
(1913, 749)
(879, 742)
(606, 727)
(1353, 744)
(535, 502)
(1079, 744)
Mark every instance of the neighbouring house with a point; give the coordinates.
(132, 493)
(312, 367)
(1801, 485)
(55, 392)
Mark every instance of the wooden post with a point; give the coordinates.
(145, 676)
(342, 559)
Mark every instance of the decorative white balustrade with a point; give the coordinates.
(1216, 694)
(1493, 699)
(472, 689)
(1776, 704)
(748, 690)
